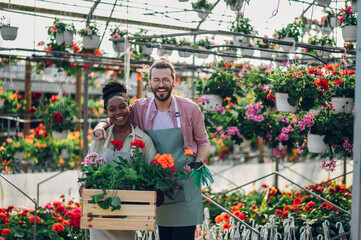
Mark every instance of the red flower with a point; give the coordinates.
(54, 98)
(138, 144)
(270, 95)
(279, 212)
(36, 96)
(310, 204)
(58, 227)
(32, 219)
(32, 110)
(273, 191)
(226, 217)
(5, 231)
(324, 205)
(60, 209)
(297, 201)
(57, 203)
(286, 208)
(58, 117)
(117, 144)
(254, 207)
(20, 222)
(337, 82)
(264, 186)
(75, 219)
(285, 214)
(3, 215)
(226, 226)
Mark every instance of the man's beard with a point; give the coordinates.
(162, 96)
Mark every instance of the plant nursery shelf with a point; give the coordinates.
(137, 211)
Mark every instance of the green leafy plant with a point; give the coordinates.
(291, 30)
(117, 32)
(242, 26)
(184, 42)
(169, 40)
(202, 4)
(60, 27)
(234, 2)
(90, 30)
(347, 17)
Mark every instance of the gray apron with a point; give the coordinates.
(186, 208)
(108, 154)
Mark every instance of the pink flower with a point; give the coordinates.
(116, 35)
(347, 145)
(100, 160)
(41, 43)
(49, 206)
(253, 112)
(90, 32)
(340, 18)
(232, 131)
(53, 29)
(279, 151)
(220, 109)
(329, 165)
(203, 100)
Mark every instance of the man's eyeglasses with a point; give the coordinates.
(165, 81)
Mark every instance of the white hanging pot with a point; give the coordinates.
(282, 103)
(19, 155)
(265, 54)
(354, 5)
(229, 51)
(238, 5)
(214, 102)
(145, 50)
(349, 33)
(185, 54)
(333, 22)
(162, 51)
(325, 3)
(326, 30)
(9, 33)
(323, 53)
(238, 40)
(2, 104)
(342, 104)
(247, 52)
(91, 42)
(60, 135)
(315, 143)
(202, 55)
(288, 48)
(118, 46)
(65, 37)
(202, 13)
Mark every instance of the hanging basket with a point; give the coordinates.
(247, 52)
(202, 13)
(349, 33)
(91, 42)
(288, 48)
(65, 37)
(162, 51)
(138, 211)
(9, 33)
(146, 50)
(202, 55)
(265, 54)
(354, 5)
(185, 54)
(326, 30)
(60, 135)
(333, 22)
(342, 104)
(229, 58)
(324, 3)
(118, 46)
(323, 53)
(315, 143)
(282, 103)
(238, 5)
(214, 102)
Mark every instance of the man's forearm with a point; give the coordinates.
(203, 153)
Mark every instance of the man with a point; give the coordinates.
(174, 124)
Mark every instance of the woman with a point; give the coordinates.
(116, 103)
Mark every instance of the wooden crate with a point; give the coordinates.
(137, 209)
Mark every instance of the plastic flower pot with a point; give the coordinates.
(241, 41)
(65, 37)
(60, 135)
(333, 22)
(288, 48)
(342, 104)
(315, 143)
(9, 33)
(118, 46)
(282, 103)
(19, 155)
(202, 13)
(265, 54)
(238, 5)
(349, 33)
(326, 30)
(324, 2)
(91, 42)
(202, 55)
(247, 52)
(145, 50)
(162, 51)
(323, 53)
(215, 101)
(229, 58)
(185, 53)
(51, 71)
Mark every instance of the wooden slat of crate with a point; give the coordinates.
(118, 224)
(126, 210)
(124, 195)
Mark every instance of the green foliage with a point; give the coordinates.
(242, 26)
(291, 30)
(202, 4)
(60, 27)
(90, 30)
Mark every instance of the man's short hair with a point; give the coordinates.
(162, 63)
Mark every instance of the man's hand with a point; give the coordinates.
(98, 134)
(188, 169)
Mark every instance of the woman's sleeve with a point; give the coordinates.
(149, 151)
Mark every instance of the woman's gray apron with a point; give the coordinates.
(186, 208)
(108, 155)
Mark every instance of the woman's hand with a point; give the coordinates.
(98, 134)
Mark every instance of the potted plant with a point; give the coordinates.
(325, 26)
(203, 8)
(325, 41)
(145, 48)
(220, 85)
(348, 20)
(331, 18)
(289, 33)
(8, 32)
(324, 3)
(242, 26)
(230, 52)
(116, 33)
(184, 44)
(168, 41)
(248, 52)
(202, 44)
(91, 39)
(262, 44)
(58, 115)
(235, 5)
(62, 32)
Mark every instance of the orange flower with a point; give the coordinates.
(188, 152)
(32, 219)
(61, 161)
(297, 201)
(286, 208)
(58, 227)
(165, 160)
(254, 207)
(226, 226)
(9, 140)
(279, 212)
(226, 217)
(219, 219)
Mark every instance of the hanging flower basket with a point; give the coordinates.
(315, 143)
(282, 103)
(323, 53)
(349, 33)
(162, 51)
(333, 22)
(60, 135)
(238, 5)
(202, 13)
(326, 30)
(185, 54)
(65, 37)
(138, 211)
(287, 48)
(202, 55)
(342, 104)
(146, 50)
(231, 52)
(241, 41)
(325, 3)
(265, 54)
(214, 102)
(354, 5)
(9, 33)
(91, 42)
(247, 52)
(118, 46)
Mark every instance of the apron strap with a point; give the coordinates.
(177, 115)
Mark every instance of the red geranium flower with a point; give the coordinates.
(297, 201)
(60, 209)
(54, 98)
(32, 110)
(279, 212)
(138, 144)
(117, 144)
(58, 117)
(58, 227)
(254, 207)
(36, 96)
(5, 231)
(32, 219)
